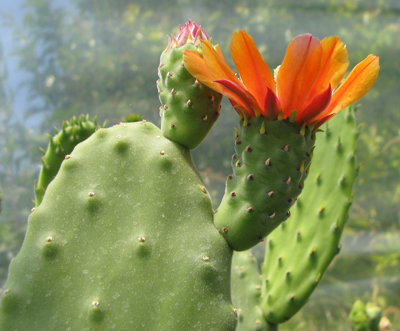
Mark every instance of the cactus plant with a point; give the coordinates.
(125, 236)
(73, 132)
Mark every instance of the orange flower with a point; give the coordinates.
(307, 80)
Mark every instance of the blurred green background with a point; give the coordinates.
(100, 57)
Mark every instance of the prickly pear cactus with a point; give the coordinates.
(365, 317)
(73, 132)
(299, 251)
(246, 292)
(188, 109)
(127, 244)
(269, 169)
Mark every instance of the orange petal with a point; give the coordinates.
(356, 84)
(334, 63)
(239, 95)
(315, 107)
(216, 64)
(271, 105)
(298, 72)
(253, 70)
(195, 64)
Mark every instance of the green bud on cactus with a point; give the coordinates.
(188, 109)
(269, 169)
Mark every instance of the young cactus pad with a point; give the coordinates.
(188, 109)
(122, 240)
(299, 251)
(269, 169)
(73, 132)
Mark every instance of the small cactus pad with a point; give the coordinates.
(269, 169)
(123, 240)
(246, 291)
(73, 132)
(365, 317)
(188, 109)
(299, 251)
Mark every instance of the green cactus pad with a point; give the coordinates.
(73, 132)
(188, 109)
(123, 240)
(246, 291)
(270, 166)
(299, 251)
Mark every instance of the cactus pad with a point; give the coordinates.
(73, 132)
(188, 109)
(269, 169)
(123, 240)
(299, 251)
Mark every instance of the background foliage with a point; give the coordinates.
(100, 57)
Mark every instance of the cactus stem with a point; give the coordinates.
(91, 194)
(142, 239)
(268, 162)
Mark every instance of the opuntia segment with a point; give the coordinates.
(123, 239)
(299, 251)
(269, 169)
(188, 109)
(73, 132)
